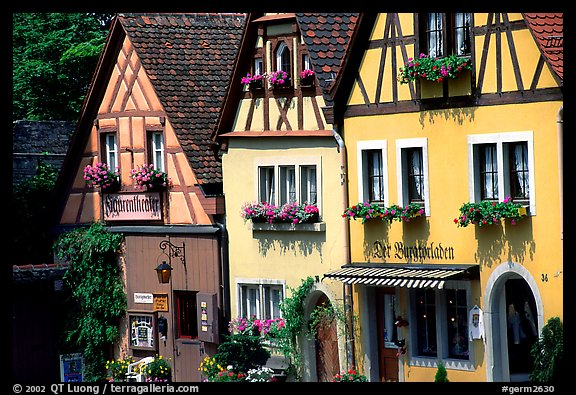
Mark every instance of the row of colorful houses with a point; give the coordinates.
(435, 111)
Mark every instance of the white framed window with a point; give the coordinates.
(412, 172)
(111, 150)
(439, 326)
(157, 150)
(260, 298)
(306, 62)
(372, 162)
(282, 180)
(502, 165)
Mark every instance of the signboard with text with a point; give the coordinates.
(132, 206)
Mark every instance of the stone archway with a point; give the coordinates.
(496, 308)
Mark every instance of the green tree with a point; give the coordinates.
(441, 374)
(54, 58)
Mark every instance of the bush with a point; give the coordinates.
(441, 374)
(548, 353)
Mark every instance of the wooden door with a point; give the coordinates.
(327, 360)
(387, 334)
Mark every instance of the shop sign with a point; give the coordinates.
(132, 206)
(160, 302)
(143, 298)
(418, 252)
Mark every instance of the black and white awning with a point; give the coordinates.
(402, 275)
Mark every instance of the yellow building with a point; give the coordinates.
(279, 148)
(423, 288)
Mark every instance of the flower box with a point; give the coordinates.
(254, 82)
(151, 178)
(490, 213)
(290, 213)
(367, 211)
(279, 79)
(434, 69)
(100, 176)
(307, 78)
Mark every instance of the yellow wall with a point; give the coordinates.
(291, 256)
(534, 243)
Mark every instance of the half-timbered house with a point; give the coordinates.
(154, 101)
(445, 111)
(280, 150)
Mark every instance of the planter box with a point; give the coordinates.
(285, 227)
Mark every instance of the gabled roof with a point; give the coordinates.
(548, 31)
(327, 37)
(189, 59)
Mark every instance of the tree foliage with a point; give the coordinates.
(93, 275)
(54, 58)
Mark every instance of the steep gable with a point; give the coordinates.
(189, 59)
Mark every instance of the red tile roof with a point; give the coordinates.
(327, 37)
(189, 59)
(548, 31)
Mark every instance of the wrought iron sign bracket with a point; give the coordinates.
(174, 251)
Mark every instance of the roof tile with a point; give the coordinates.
(548, 31)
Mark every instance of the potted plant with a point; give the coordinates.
(253, 81)
(100, 176)
(306, 78)
(118, 368)
(279, 79)
(490, 212)
(410, 211)
(151, 178)
(433, 69)
(259, 212)
(293, 213)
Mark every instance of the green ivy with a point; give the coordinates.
(295, 324)
(93, 275)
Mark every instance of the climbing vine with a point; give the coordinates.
(295, 324)
(93, 275)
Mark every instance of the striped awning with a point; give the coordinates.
(401, 275)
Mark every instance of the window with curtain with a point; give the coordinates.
(434, 35)
(375, 175)
(415, 175)
(287, 184)
(110, 150)
(157, 150)
(446, 34)
(519, 173)
(462, 23)
(266, 184)
(488, 172)
(308, 189)
(261, 300)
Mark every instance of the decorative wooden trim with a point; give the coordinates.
(316, 108)
(136, 113)
(283, 112)
(484, 59)
(123, 68)
(513, 54)
(537, 72)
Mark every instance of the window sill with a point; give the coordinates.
(283, 227)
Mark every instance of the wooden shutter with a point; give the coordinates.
(208, 317)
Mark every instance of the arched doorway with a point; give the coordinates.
(326, 342)
(522, 329)
(513, 309)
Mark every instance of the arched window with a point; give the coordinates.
(283, 58)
